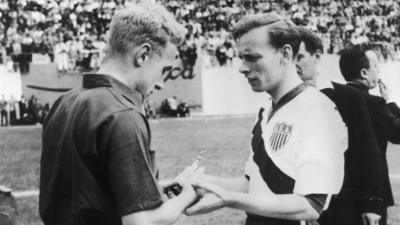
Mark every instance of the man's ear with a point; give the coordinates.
(142, 54)
(287, 52)
(318, 54)
(364, 73)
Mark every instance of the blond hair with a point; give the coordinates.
(142, 23)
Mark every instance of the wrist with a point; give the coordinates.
(230, 199)
(188, 196)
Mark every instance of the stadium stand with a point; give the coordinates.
(73, 33)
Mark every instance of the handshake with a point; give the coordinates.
(202, 195)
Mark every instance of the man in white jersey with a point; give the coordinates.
(298, 143)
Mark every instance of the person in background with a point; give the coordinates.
(62, 56)
(4, 111)
(14, 110)
(359, 66)
(360, 200)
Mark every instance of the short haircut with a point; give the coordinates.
(311, 40)
(142, 23)
(353, 60)
(280, 30)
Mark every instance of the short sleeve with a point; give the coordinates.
(249, 166)
(132, 182)
(320, 157)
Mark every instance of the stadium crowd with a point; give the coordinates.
(22, 112)
(73, 32)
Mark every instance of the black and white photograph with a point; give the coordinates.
(208, 112)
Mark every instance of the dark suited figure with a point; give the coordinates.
(360, 200)
(358, 65)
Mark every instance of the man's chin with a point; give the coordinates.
(373, 85)
(256, 89)
(158, 86)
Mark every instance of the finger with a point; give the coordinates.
(206, 204)
(198, 173)
(383, 85)
(370, 221)
(170, 193)
(377, 221)
(200, 192)
(166, 183)
(208, 187)
(193, 211)
(187, 172)
(184, 172)
(198, 208)
(364, 220)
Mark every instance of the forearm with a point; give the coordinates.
(238, 184)
(290, 206)
(165, 214)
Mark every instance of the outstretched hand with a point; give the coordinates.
(370, 218)
(174, 186)
(383, 89)
(213, 197)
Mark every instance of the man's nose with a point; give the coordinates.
(159, 85)
(244, 69)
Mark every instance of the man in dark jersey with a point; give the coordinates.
(297, 158)
(359, 66)
(97, 167)
(360, 200)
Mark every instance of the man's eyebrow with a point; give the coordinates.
(166, 68)
(249, 54)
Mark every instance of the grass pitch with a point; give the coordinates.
(177, 142)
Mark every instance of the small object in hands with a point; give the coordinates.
(176, 189)
(173, 190)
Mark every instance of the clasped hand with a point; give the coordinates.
(207, 196)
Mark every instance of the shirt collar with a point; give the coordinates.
(287, 98)
(322, 82)
(358, 86)
(93, 80)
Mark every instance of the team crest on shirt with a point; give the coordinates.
(280, 136)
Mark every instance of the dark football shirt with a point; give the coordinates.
(96, 163)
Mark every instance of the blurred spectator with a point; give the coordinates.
(62, 56)
(14, 110)
(9, 64)
(220, 53)
(23, 107)
(21, 112)
(2, 55)
(149, 108)
(74, 30)
(3, 111)
(183, 110)
(171, 107)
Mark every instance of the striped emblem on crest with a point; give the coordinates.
(280, 136)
